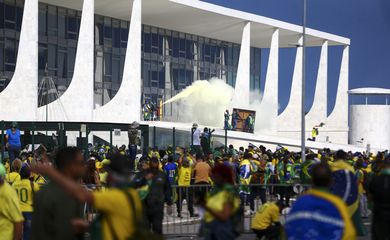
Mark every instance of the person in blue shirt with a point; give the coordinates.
(170, 170)
(13, 142)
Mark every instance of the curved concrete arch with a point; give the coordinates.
(21, 94)
(125, 107)
(242, 87)
(337, 122)
(270, 93)
(318, 112)
(77, 101)
(289, 121)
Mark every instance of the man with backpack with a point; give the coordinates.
(159, 192)
(120, 206)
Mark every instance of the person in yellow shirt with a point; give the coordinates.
(221, 205)
(14, 174)
(38, 179)
(266, 221)
(121, 208)
(183, 189)
(11, 218)
(25, 189)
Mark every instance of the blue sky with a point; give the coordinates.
(365, 22)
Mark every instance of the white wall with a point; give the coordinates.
(241, 89)
(289, 121)
(19, 100)
(125, 106)
(270, 94)
(318, 111)
(337, 123)
(371, 122)
(76, 103)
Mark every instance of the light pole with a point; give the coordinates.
(303, 122)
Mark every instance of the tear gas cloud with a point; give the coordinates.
(205, 102)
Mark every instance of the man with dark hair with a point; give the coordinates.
(266, 221)
(201, 175)
(120, 205)
(341, 155)
(160, 192)
(379, 193)
(318, 212)
(57, 215)
(25, 189)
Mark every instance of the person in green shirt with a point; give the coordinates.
(286, 175)
(221, 205)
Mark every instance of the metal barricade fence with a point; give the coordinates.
(186, 214)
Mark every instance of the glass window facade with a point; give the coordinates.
(11, 14)
(58, 33)
(171, 60)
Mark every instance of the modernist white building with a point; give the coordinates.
(370, 117)
(107, 57)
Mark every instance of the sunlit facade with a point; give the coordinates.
(190, 57)
(104, 59)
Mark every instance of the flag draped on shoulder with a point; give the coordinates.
(319, 215)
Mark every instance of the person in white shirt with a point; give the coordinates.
(196, 133)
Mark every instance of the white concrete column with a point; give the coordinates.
(223, 62)
(19, 100)
(242, 88)
(270, 94)
(168, 83)
(196, 58)
(125, 107)
(338, 119)
(290, 119)
(76, 104)
(318, 111)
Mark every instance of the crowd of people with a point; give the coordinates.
(248, 123)
(151, 111)
(43, 196)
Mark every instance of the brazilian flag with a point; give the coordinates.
(345, 185)
(319, 215)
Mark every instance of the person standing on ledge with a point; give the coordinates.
(13, 145)
(226, 121)
(196, 133)
(133, 142)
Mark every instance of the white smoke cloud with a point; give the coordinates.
(205, 102)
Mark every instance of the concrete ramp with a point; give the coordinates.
(243, 139)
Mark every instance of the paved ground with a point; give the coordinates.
(187, 227)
